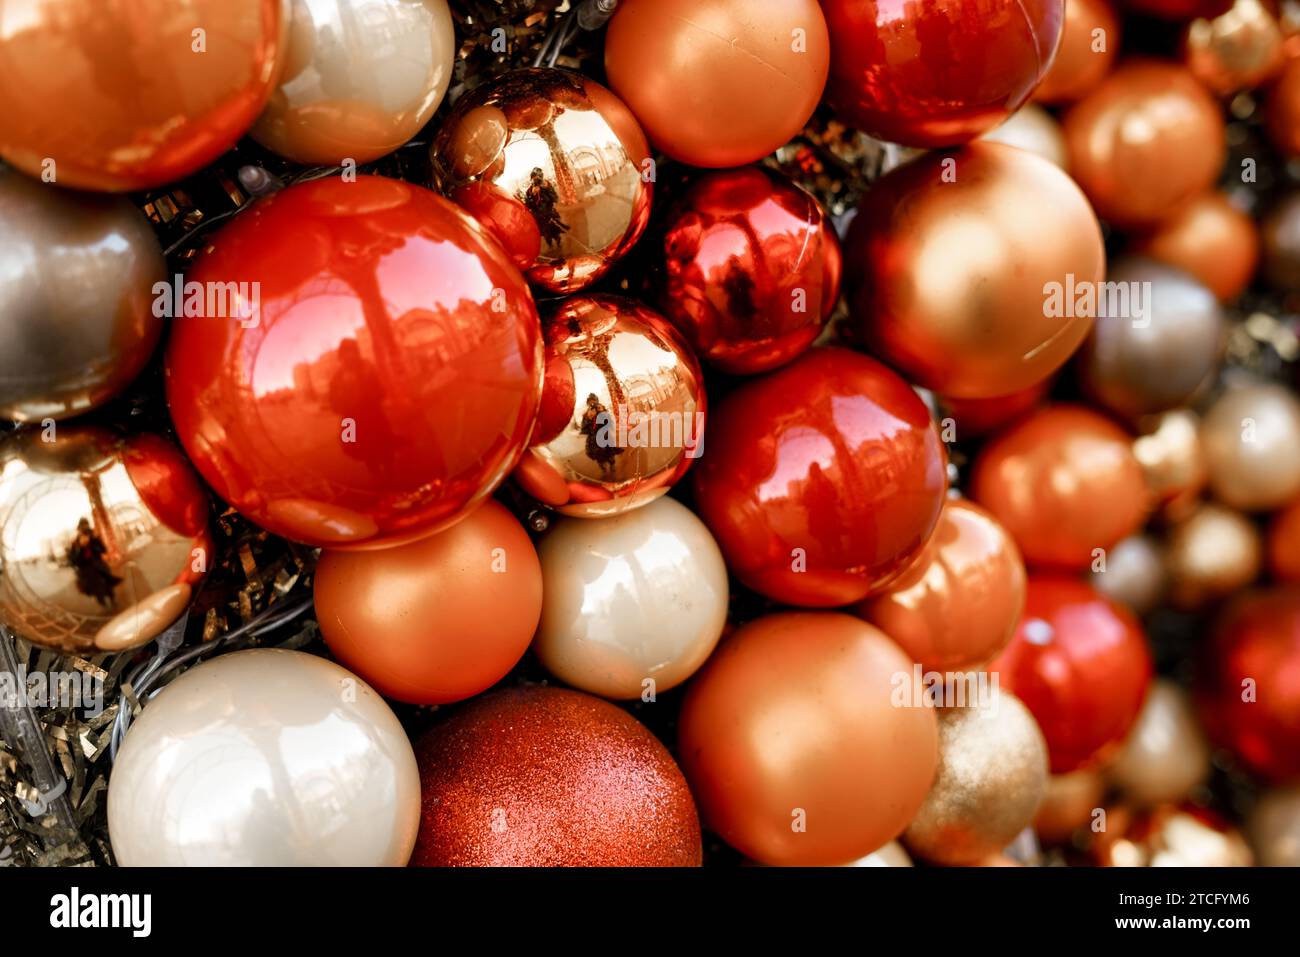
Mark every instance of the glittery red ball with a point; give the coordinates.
(545, 777)
(1248, 688)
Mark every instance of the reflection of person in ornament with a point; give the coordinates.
(86, 556)
(597, 425)
(541, 200)
(356, 394)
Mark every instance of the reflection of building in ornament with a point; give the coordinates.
(646, 393)
(593, 165)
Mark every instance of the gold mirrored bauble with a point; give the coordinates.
(102, 538)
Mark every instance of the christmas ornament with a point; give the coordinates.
(974, 418)
(1080, 663)
(1248, 687)
(634, 603)
(361, 77)
(1283, 544)
(937, 74)
(802, 743)
(543, 777)
(718, 82)
(1251, 438)
(372, 371)
(1145, 141)
(888, 855)
(1211, 554)
(1172, 459)
(1237, 50)
(265, 758)
(77, 277)
(991, 779)
(1170, 836)
(1166, 755)
(1134, 574)
(1274, 828)
(555, 167)
(951, 266)
(158, 88)
(1069, 803)
(622, 413)
(436, 620)
(1033, 129)
(752, 267)
(1155, 354)
(1179, 9)
(1282, 109)
(1043, 477)
(1090, 39)
(1209, 238)
(1280, 241)
(956, 606)
(102, 538)
(858, 493)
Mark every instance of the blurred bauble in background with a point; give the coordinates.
(1209, 239)
(1166, 755)
(950, 261)
(1070, 801)
(377, 382)
(1134, 573)
(1169, 449)
(1240, 49)
(720, 83)
(825, 787)
(77, 297)
(1251, 440)
(752, 269)
(1169, 835)
(1212, 553)
(158, 88)
(1090, 41)
(862, 479)
(1279, 234)
(1178, 9)
(622, 413)
(554, 166)
(1033, 129)
(102, 537)
(1282, 109)
(1274, 828)
(545, 777)
(1283, 544)
(976, 418)
(360, 78)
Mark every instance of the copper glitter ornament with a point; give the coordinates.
(554, 166)
(1090, 40)
(991, 780)
(1210, 239)
(544, 777)
(623, 409)
(1237, 50)
(102, 538)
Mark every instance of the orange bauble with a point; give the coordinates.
(437, 620)
(1284, 544)
(795, 746)
(1282, 109)
(1146, 140)
(1210, 239)
(958, 604)
(1084, 55)
(1064, 482)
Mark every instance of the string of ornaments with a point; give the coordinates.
(653, 432)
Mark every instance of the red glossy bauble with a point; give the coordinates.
(822, 480)
(1079, 661)
(753, 269)
(941, 72)
(377, 378)
(1248, 686)
(545, 777)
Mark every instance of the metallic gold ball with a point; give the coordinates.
(1251, 438)
(623, 409)
(1237, 50)
(102, 538)
(76, 298)
(1274, 828)
(991, 779)
(1211, 554)
(1166, 754)
(555, 166)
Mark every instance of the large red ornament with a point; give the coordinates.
(753, 269)
(1248, 687)
(377, 375)
(1079, 662)
(545, 777)
(941, 72)
(823, 480)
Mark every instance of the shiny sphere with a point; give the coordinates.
(1085, 55)
(957, 605)
(1282, 109)
(77, 275)
(154, 100)
(1237, 50)
(938, 73)
(795, 712)
(1170, 452)
(1166, 754)
(1210, 239)
(1135, 574)
(1044, 477)
(1146, 140)
(1251, 438)
(753, 269)
(554, 166)
(264, 758)
(436, 620)
(103, 538)
(1212, 553)
(948, 278)
(1080, 663)
(634, 603)
(379, 382)
(622, 413)
(823, 480)
(722, 83)
(544, 777)
(361, 77)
